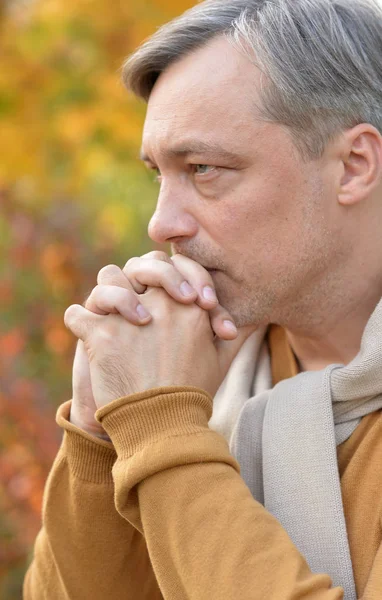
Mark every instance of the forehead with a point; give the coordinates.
(209, 95)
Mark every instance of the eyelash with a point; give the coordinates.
(158, 174)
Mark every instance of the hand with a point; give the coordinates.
(153, 269)
(83, 404)
(176, 348)
(157, 269)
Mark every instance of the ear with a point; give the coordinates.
(362, 161)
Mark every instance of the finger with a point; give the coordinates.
(109, 275)
(140, 288)
(144, 272)
(199, 278)
(113, 275)
(222, 323)
(107, 299)
(227, 350)
(158, 255)
(80, 321)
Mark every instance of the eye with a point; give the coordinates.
(201, 170)
(204, 169)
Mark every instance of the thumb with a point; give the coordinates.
(80, 321)
(228, 349)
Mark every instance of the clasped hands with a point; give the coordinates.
(145, 326)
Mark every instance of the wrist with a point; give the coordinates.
(88, 457)
(94, 430)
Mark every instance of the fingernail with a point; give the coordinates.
(209, 294)
(186, 289)
(142, 312)
(229, 325)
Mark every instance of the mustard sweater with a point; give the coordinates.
(162, 512)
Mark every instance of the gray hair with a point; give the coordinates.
(322, 60)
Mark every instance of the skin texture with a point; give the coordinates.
(295, 243)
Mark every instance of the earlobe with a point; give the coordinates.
(362, 161)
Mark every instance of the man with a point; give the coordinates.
(264, 126)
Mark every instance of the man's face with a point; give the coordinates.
(234, 194)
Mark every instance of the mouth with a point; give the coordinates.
(213, 271)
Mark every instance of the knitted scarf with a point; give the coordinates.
(285, 439)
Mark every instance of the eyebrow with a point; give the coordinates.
(194, 147)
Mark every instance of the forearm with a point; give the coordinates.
(207, 536)
(85, 549)
(223, 544)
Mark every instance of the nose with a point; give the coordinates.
(172, 217)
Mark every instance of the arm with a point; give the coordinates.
(85, 549)
(207, 537)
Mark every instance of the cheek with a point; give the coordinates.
(258, 216)
(267, 233)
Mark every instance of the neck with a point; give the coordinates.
(335, 341)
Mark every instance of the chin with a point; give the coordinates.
(245, 311)
(249, 321)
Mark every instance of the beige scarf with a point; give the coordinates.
(285, 441)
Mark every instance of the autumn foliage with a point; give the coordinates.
(73, 198)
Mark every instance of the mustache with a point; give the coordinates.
(204, 262)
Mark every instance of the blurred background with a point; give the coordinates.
(73, 198)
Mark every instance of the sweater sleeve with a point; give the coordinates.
(85, 549)
(177, 483)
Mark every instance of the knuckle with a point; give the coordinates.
(108, 294)
(168, 270)
(157, 255)
(70, 315)
(187, 265)
(148, 271)
(107, 272)
(130, 262)
(91, 296)
(123, 295)
(176, 260)
(133, 267)
(180, 258)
